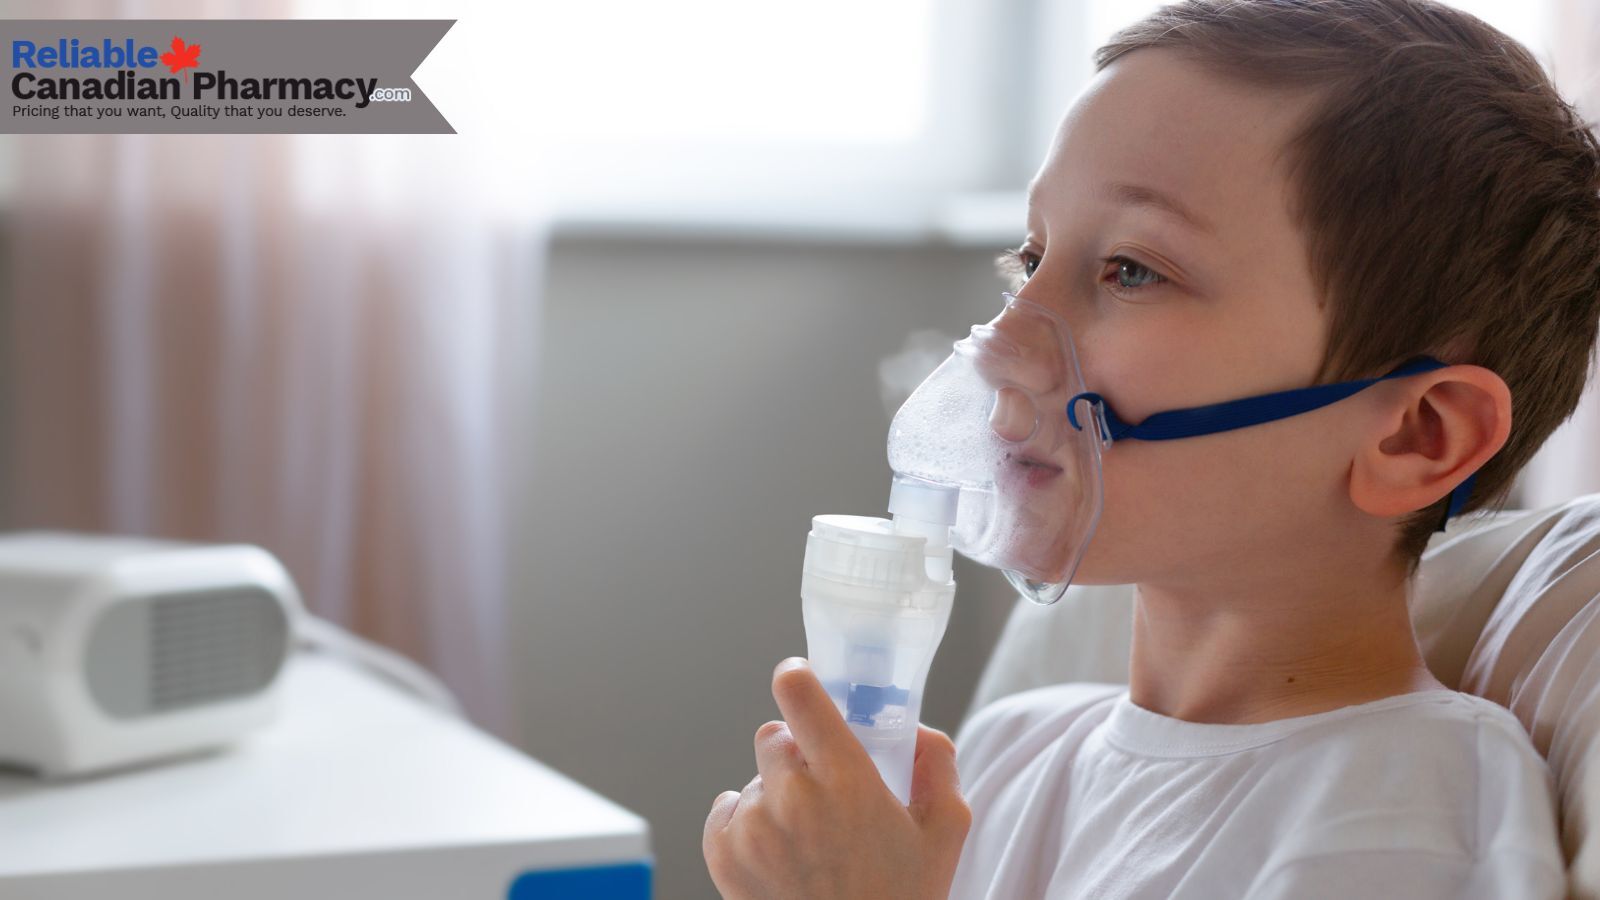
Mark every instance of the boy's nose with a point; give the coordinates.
(1013, 418)
(1033, 349)
(1063, 309)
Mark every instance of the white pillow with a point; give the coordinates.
(1539, 656)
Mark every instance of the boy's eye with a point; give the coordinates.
(1123, 277)
(1129, 276)
(1030, 262)
(1017, 266)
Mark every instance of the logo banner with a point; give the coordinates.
(218, 76)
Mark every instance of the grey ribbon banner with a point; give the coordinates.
(218, 76)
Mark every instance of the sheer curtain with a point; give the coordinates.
(318, 344)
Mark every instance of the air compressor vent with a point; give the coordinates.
(173, 651)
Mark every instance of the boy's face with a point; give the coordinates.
(1198, 308)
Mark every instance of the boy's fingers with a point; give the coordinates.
(819, 731)
(936, 801)
(721, 814)
(776, 752)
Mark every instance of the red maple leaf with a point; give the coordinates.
(182, 56)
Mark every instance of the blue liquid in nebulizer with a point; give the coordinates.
(875, 703)
(866, 702)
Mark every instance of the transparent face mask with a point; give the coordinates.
(1007, 426)
(993, 421)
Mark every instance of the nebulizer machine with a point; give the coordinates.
(997, 455)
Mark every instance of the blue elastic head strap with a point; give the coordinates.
(1217, 417)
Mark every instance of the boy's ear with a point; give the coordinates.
(1436, 429)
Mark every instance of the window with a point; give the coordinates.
(891, 113)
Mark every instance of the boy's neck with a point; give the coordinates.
(1247, 653)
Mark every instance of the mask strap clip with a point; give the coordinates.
(1110, 426)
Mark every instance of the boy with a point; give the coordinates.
(1253, 196)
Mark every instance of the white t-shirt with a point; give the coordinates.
(1078, 793)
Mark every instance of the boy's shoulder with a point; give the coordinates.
(1426, 725)
(1398, 734)
(1441, 771)
(1448, 775)
(1449, 718)
(1449, 790)
(1438, 744)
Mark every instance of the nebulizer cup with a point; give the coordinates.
(876, 601)
(987, 463)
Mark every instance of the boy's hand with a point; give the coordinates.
(818, 821)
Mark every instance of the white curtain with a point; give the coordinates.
(319, 344)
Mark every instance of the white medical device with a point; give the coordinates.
(116, 651)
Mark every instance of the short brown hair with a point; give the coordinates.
(1449, 197)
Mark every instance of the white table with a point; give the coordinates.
(357, 791)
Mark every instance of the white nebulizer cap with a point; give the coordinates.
(868, 559)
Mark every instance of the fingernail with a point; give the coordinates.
(794, 662)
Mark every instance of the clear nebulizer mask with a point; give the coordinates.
(1007, 424)
(985, 462)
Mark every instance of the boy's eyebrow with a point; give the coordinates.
(1141, 195)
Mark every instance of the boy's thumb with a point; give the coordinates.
(936, 801)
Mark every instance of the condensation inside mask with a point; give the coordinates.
(992, 422)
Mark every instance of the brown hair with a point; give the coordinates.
(1450, 199)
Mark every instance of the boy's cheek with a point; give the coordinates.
(1123, 539)
(1165, 505)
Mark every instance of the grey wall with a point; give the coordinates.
(698, 402)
